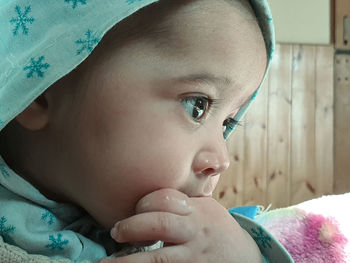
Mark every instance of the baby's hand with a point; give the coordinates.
(193, 230)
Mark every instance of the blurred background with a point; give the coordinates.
(293, 145)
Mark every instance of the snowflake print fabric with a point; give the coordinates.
(260, 237)
(88, 43)
(132, 1)
(6, 230)
(41, 226)
(271, 249)
(57, 242)
(21, 20)
(3, 170)
(37, 67)
(76, 2)
(48, 217)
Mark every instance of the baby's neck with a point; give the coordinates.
(17, 153)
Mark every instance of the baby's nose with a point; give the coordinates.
(210, 163)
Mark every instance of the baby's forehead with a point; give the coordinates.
(174, 18)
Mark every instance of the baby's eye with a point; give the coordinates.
(228, 126)
(196, 106)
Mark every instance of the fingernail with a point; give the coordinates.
(114, 231)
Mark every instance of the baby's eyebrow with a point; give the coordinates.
(215, 81)
(221, 84)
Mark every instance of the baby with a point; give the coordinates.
(133, 139)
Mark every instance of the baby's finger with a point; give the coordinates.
(165, 200)
(162, 226)
(174, 254)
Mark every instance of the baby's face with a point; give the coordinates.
(146, 121)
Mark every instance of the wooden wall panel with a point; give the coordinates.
(303, 124)
(280, 103)
(324, 120)
(342, 123)
(284, 153)
(255, 153)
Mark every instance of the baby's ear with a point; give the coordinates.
(36, 115)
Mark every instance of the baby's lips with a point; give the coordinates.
(209, 186)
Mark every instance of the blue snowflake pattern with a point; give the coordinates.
(36, 67)
(132, 1)
(22, 20)
(87, 44)
(57, 243)
(3, 170)
(261, 238)
(48, 216)
(5, 231)
(75, 2)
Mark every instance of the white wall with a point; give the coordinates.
(302, 21)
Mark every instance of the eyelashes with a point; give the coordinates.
(228, 126)
(200, 106)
